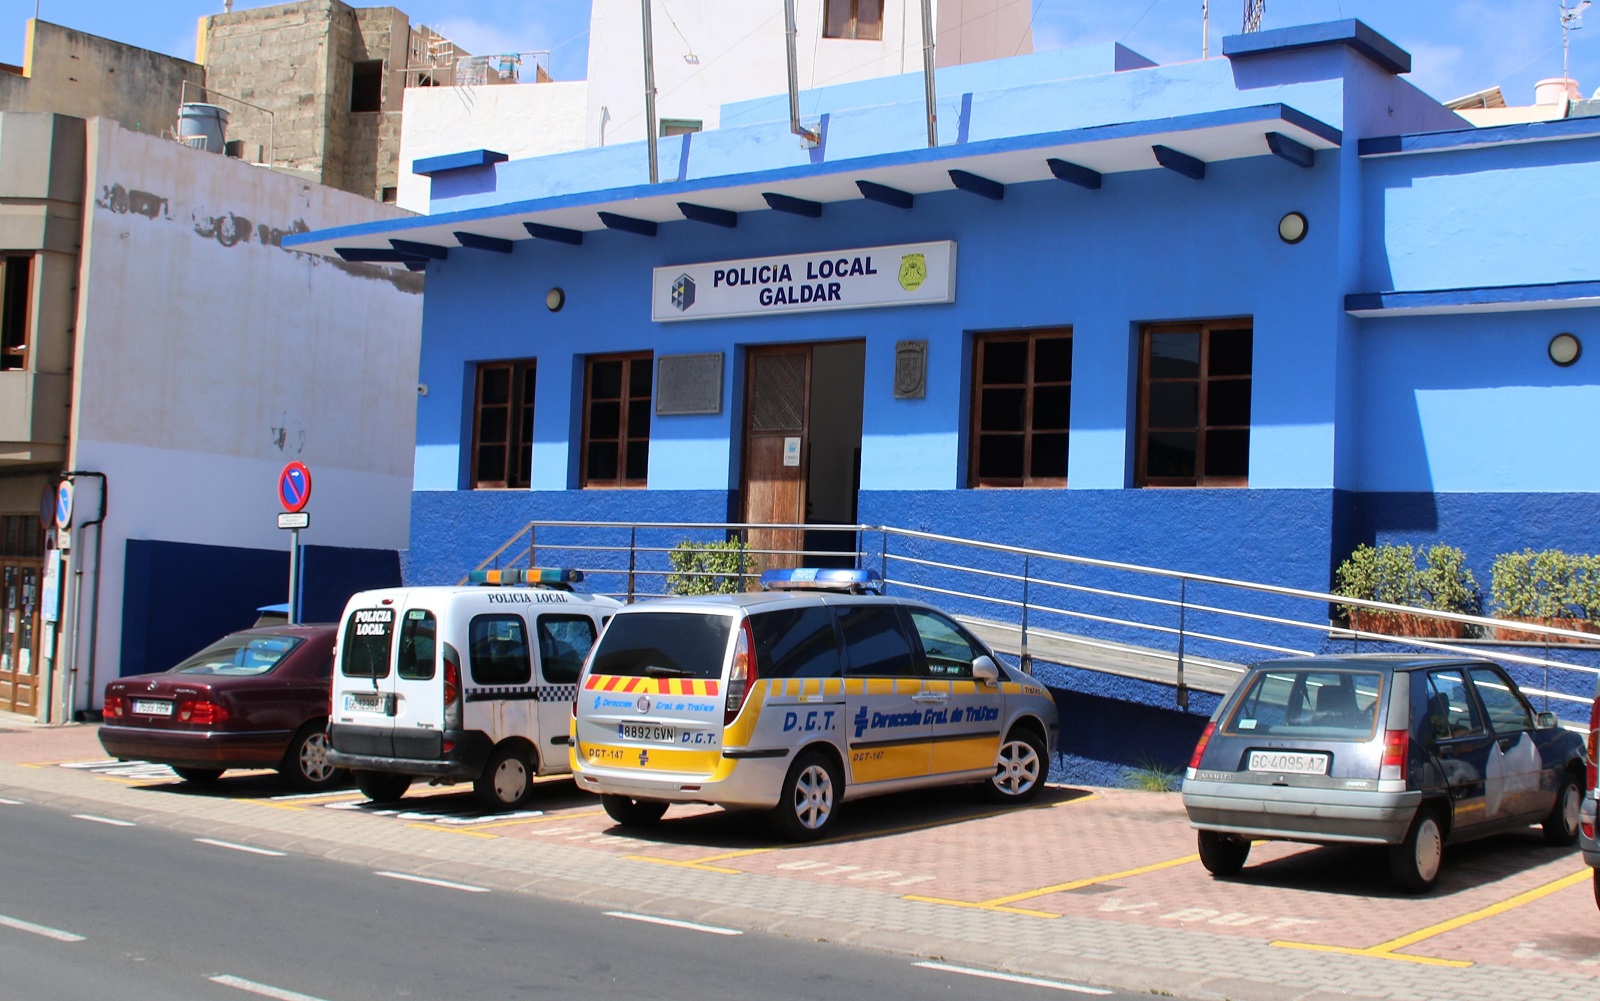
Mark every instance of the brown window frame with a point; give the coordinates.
(1028, 386)
(517, 407)
(1204, 381)
(16, 311)
(626, 435)
(849, 27)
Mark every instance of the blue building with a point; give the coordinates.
(1230, 317)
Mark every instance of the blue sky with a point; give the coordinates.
(1457, 46)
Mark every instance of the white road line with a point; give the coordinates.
(1012, 978)
(103, 820)
(11, 802)
(240, 848)
(435, 882)
(670, 923)
(30, 927)
(265, 990)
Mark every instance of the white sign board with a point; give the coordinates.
(910, 274)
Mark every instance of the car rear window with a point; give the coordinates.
(663, 645)
(367, 639)
(240, 656)
(1333, 705)
(796, 643)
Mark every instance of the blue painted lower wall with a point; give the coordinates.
(178, 597)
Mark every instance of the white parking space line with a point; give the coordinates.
(103, 820)
(240, 848)
(670, 923)
(435, 882)
(1012, 978)
(265, 990)
(11, 802)
(33, 929)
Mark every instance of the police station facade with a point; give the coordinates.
(1230, 317)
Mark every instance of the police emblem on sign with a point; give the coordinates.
(682, 292)
(913, 271)
(643, 705)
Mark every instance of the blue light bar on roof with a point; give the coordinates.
(821, 579)
(536, 576)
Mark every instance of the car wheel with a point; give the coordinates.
(1019, 768)
(198, 776)
(506, 781)
(1561, 827)
(1223, 854)
(810, 800)
(305, 764)
(382, 787)
(630, 812)
(1415, 862)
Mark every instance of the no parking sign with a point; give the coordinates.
(294, 487)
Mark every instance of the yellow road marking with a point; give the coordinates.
(1389, 949)
(453, 830)
(1002, 903)
(702, 863)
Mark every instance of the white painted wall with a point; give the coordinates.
(520, 120)
(208, 357)
(709, 52)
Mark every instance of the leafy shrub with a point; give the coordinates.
(1392, 574)
(710, 567)
(1546, 584)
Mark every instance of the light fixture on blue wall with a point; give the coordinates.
(1292, 227)
(1564, 349)
(554, 300)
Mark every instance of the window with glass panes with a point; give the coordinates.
(616, 420)
(1021, 401)
(502, 428)
(1194, 404)
(861, 19)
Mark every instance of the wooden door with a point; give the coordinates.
(19, 630)
(777, 406)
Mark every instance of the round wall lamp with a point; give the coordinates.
(1564, 349)
(1292, 228)
(554, 300)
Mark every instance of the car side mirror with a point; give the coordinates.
(1546, 721)
(985, 670)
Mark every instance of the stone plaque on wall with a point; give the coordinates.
(910, 370)
(689, 384)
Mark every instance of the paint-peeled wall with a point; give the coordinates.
(209, 356)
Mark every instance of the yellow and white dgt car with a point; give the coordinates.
(798, 699)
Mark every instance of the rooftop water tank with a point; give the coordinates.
(203, 126)
(1556, 90)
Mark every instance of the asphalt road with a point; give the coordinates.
(97, 910)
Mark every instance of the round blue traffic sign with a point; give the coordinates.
(64, 504)
(294, 486)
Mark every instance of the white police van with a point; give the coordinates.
(799, 699)
(459, 684)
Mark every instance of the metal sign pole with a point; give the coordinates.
(294, 576)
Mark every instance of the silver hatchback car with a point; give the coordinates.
(1411, 752)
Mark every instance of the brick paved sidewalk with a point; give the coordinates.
(1142, 917)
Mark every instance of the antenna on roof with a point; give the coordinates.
(1571, 20)
(1253, 9)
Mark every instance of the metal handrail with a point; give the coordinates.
(923, 573)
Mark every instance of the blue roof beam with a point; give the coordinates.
(475, 242)
(968, 181)
(376, 255)
(707, 214)
(434, 165)
(628, 224)
(1297, 153)
(1083, 177)
(792, 205)
(874, 192)
(1180, 163)
(411, 248)
(539, 231)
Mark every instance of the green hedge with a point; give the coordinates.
(1546, 584)
(710, 567)
(1436, 578)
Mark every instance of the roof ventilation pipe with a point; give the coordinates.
(650, 94)
(927, 72)
(810, 137)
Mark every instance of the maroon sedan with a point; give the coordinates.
(257, 698)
